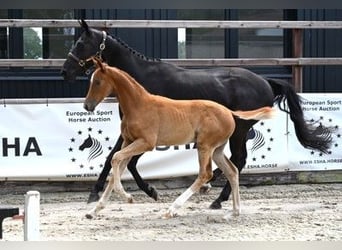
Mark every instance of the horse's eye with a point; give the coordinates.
(80, 46)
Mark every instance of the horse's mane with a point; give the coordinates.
(133, 51)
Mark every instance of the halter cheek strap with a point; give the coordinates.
(98, 54)
(102, 45)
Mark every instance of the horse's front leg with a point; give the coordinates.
(144, 186)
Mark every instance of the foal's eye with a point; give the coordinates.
(97, 82)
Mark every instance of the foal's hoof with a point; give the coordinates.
(234, 214)
(130, 199)
(93, 197)
(153, 193)
(215, 205)
(205, 188)
(169, 215)
(89, 216)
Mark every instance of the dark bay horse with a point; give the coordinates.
(233, 87)
(152, 120)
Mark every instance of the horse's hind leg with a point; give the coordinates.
(143, 185)
(205, 174)
(231, 173)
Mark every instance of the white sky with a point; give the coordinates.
(181, 34)
(39, 32)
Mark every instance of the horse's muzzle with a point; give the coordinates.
(66, 76)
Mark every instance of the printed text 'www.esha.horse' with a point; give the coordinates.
(233, 87)
(153, 120)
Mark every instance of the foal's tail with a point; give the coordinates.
(310, 136)
(256, 114)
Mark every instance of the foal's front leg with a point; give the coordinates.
(119, 163)
(117, 166)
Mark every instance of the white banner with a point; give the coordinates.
(58, 141)
(45, 141)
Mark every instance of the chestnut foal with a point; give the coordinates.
(152, 120)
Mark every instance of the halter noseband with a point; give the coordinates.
(98, 54)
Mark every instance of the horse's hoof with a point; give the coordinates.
(215, 205)
(153, 193)
(93, 197)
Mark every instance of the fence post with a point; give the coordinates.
(32, 214)
(297, 70)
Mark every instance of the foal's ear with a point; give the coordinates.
(84, 25)
(98, 63)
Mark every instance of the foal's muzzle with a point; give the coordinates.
(89, 105)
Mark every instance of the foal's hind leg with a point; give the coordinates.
(205, 174)
(237, 143)
(231, 173)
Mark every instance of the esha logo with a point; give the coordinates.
(87, 146)
(261, 144)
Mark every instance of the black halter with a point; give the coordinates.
(98, 54)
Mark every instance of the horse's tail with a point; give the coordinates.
(310, 136)
(256, 114)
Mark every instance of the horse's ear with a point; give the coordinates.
(84, 25)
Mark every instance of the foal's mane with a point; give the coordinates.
(126, 76)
